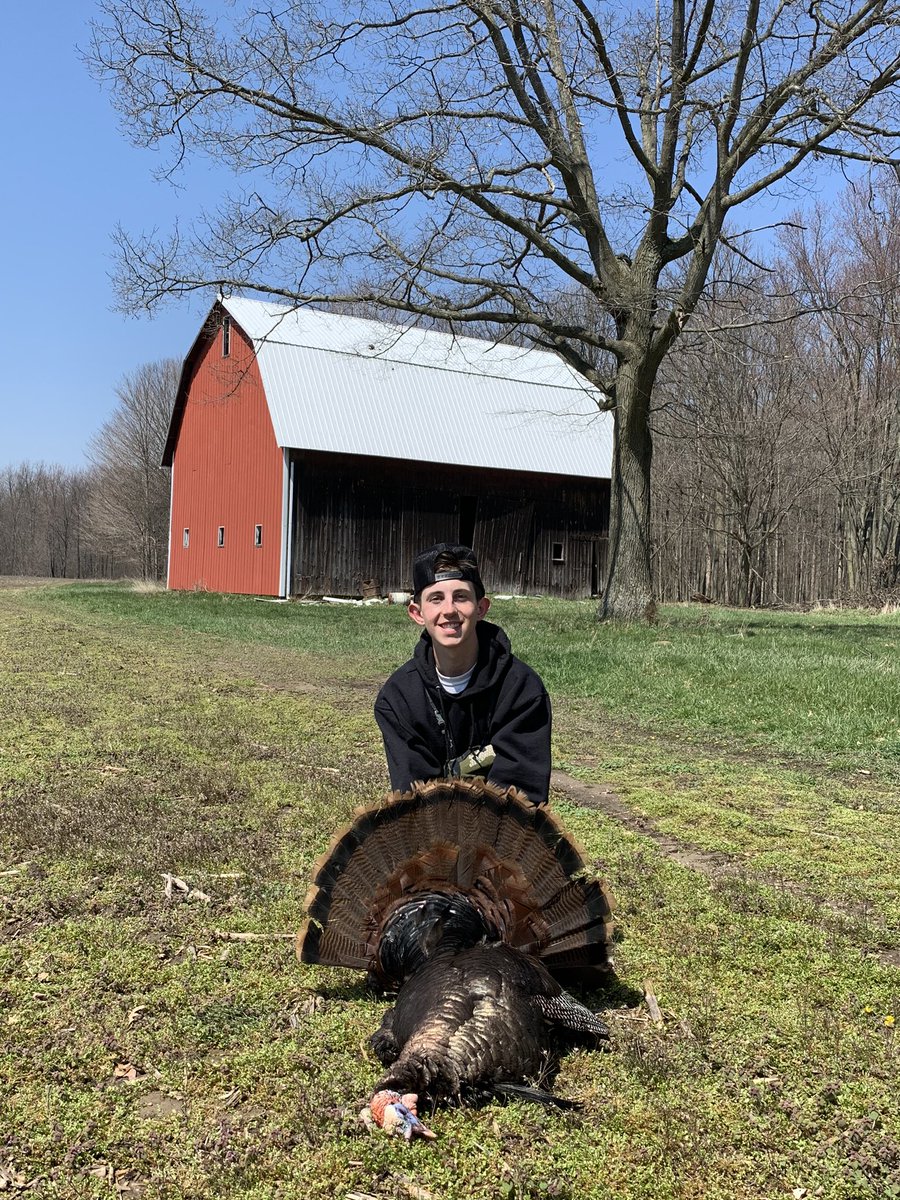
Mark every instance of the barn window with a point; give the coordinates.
(226, 336)
(220, 541)
(257, 535)
(556, 552)
(186, 538)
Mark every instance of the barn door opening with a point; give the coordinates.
(468, 513)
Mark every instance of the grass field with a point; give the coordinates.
(145, 1051)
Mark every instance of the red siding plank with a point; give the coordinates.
(227, 471)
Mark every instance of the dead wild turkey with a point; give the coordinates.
(467, 901)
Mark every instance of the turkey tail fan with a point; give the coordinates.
(467, 840)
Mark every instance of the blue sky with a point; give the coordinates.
(69, 177)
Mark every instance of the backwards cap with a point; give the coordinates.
(424, 573)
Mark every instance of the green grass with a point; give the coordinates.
(822, 684)
(223, 739)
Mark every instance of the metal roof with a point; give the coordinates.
(354, 386)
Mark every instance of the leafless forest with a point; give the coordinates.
(109, 519)
(777, 471)
(777, 451)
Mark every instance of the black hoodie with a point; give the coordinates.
(505, 706)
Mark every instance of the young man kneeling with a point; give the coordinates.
(464, 704)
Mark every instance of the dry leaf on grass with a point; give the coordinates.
(307, 1007)
(173, 884)
(177, 887)
(412, 1189)
(652, 1004)
(10, 1178)
(129, 1187)
(188, 952)
(126, 1073)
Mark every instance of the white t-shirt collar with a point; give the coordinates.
(454, 684)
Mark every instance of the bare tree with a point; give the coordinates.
(130, 490)
(65, 493)
(42, 520)
(14, 515)
(777, 474)
(852, 355)
(470, 161)
(61, 522)
(735, 435)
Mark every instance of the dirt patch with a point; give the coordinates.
(156, 1106)
(588, 795)
(277, 669)
(585, 722)
(711, 864)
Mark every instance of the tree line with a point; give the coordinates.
(109, 519)
(777, 476)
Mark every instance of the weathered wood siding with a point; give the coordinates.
(360, 518)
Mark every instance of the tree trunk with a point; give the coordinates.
(628, 595)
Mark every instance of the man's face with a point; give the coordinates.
(449, 611)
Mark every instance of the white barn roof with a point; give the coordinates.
(354, 386)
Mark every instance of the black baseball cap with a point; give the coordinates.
(424, 573)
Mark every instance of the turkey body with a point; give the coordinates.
(470, 904)
(470, 1020)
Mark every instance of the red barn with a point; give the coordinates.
(312, 453)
